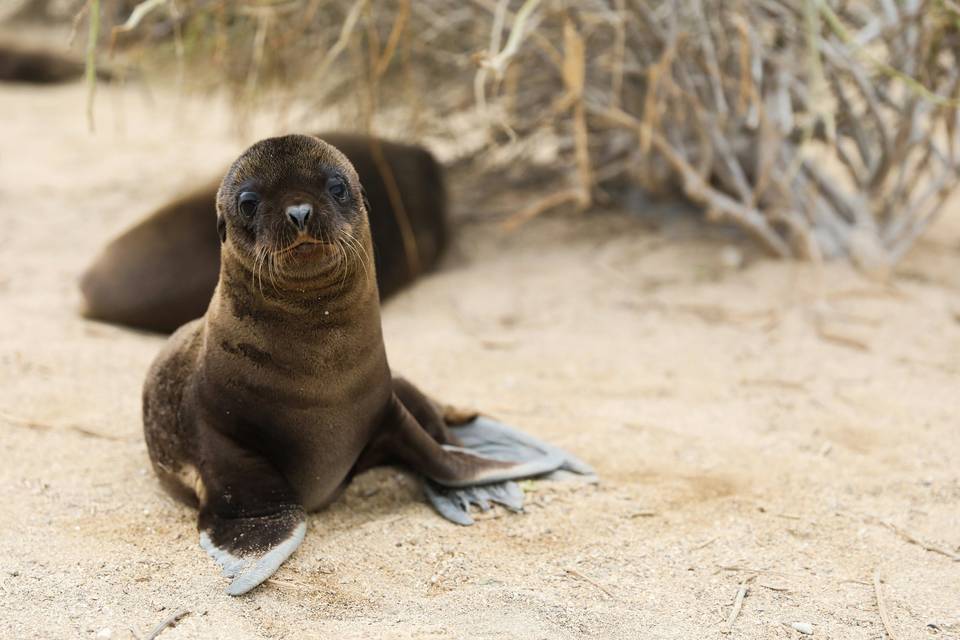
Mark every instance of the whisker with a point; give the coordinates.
(272, 271)
(276, 266)
(361, 251)
(351, 245)
(342, 266)
(258, 265)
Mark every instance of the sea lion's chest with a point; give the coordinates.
(310, 406)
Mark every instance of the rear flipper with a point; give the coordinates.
(492, 440)
(471, 464)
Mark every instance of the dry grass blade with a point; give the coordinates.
(136, 17)
(545, 204)
(393, 40)
(36, 425)
(497, 61)
(574, 71)
(933, 548)
(93, 19)
(346, 31)
(839, 339)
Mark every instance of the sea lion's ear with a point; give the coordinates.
(221, 228)
(366, 202)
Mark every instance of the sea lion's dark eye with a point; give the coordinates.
(247, 203)
(338, 189)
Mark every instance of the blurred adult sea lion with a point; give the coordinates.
(161, 273)
(37, 66)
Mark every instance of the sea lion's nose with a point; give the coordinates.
(299, 214)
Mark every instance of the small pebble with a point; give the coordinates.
(803, 627)
(731, 257)
(106, 632)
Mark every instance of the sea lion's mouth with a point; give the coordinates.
(304, 246)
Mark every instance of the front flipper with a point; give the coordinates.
(251, 549)
(493, 440)
(250, 519)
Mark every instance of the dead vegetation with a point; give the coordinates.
(823, 128)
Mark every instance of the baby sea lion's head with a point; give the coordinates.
(291, 210)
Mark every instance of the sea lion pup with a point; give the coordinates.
(161, 273)
(36, 66)
(264, 408)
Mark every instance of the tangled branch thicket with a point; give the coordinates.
(822, 127)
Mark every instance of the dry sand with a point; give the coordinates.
(738, 444)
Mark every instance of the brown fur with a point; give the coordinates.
(161, 273)
(267, 405)
(35, 66)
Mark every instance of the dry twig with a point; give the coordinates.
(169, 621)
(912, 539)
(737, 605)
(577, 574)
(882, 606)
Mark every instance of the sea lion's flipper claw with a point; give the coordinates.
(449, 503)
(251, 549)
(454, 503)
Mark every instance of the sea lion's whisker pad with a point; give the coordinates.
(268, 405)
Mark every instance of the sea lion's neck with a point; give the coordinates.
(278, 341)
(338, 299)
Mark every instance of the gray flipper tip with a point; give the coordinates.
(452, 507)
(565, 475)
(489, 438)
(454, 503)
(249, 572)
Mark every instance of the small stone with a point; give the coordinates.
(106, 632)
(803, 627)
(731, 257)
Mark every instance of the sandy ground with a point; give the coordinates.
(772, 426)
